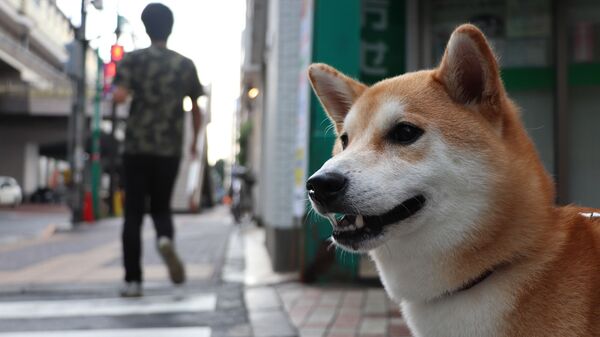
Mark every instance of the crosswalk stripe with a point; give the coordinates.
(108, 307)
(156, 332)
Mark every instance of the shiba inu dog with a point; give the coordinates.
(434, 176)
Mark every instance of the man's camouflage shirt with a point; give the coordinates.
(158, 80)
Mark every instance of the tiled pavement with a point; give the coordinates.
(314, 311)
(341, 311)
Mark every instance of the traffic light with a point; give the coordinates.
(116, 52)
(110, 69)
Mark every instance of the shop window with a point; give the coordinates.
(520, 33)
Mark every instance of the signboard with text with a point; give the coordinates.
(382, 39)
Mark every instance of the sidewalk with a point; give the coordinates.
(314, 310)
(330, 311)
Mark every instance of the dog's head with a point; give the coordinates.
(421, 150)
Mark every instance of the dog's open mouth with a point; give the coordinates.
(351, 229)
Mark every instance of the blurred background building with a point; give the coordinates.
(549, 52)
(35, 91)
(40, 62)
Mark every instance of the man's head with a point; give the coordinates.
(158, 20)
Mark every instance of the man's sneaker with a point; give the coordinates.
(131, 289)
(167, 251)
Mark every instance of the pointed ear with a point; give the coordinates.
(469, 69)
(336, 91)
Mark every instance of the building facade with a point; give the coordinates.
(35, 92)
(270, 64)
(549, 53)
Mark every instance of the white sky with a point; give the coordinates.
(207, 31)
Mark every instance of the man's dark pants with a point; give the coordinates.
(146, 177)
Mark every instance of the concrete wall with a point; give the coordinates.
(19, 142)
(279, 124)
(276, 183)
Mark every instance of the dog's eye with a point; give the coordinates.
(405, 134)
(344, 140)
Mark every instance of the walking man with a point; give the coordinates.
(157, 79)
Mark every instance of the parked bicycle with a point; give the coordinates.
(242, 181)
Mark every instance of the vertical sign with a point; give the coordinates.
(382, 39)
(303, 111)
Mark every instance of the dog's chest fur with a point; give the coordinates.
(478, 313)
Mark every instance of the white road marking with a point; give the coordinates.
(108, 307)
(156, 332)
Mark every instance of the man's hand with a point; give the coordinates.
(196, 124)
(120, 94)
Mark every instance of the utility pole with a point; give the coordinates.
(113, 119)
(77, 124)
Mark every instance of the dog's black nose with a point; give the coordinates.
(327, 186)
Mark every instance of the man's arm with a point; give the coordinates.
(120, 94)
(194, 91)
(122, 80)
(196, 123)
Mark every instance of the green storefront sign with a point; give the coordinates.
(365, 40)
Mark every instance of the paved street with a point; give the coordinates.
(66, 284)
(30, 221)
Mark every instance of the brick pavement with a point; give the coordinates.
(348, 310)
(341, 311)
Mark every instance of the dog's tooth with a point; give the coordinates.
(332, 219)
(359, 222)
(352, 227)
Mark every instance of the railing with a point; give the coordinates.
(32, 61)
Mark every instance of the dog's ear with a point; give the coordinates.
(336, 91)
(469, 69)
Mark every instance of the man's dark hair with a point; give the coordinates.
(158, 20)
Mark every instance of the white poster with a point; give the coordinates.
(303, 111)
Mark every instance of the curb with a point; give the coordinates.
(266, 313)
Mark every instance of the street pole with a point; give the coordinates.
(112, 162)
(78, 116)
(114, 149)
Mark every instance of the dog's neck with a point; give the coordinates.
(411, 268)
(472, 283)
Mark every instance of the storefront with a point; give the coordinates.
(549, 52)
